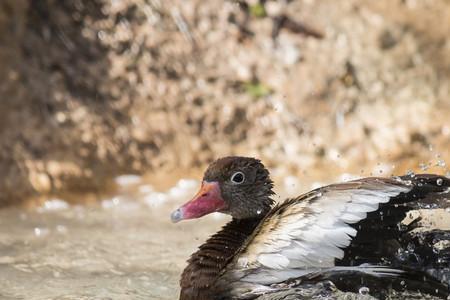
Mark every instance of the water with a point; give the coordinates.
(122, 247)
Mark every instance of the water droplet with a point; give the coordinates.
(423, 166)
(40, 231)
(410, 173)
(439, 181)
(441, 163)
(402, 282)
(364, 290)
(37, 231)
(61, 229)
(397, 178)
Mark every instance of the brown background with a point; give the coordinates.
(90, 89)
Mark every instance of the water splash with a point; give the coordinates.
(364, 290)
(441, 163)
(127, 180)
(411, 173)
(424, 166)
(156, 199)
(41, 231)
(53, 205)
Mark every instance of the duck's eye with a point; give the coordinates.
(238, 178)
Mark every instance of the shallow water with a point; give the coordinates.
(123, 247)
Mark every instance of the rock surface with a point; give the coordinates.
(99, 88)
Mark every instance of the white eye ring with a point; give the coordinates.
(237, 178)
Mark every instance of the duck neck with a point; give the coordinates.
(199, 277)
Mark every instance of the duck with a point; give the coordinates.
(350, 234)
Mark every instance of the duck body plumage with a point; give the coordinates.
(349, 233)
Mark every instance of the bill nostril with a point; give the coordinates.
(204, 194)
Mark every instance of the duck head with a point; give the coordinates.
(234, 185)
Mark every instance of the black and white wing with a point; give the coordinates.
(311, 232)
(316, 232)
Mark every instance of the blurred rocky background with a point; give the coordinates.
(93, 89)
